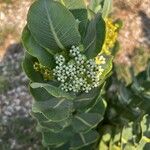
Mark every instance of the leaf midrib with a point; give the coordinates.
(83, 121)
(52, 27)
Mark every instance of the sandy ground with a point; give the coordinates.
(12, 20)
(135, 33)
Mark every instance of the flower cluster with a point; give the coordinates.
(47, 74)
(78, 74)
(111, 36)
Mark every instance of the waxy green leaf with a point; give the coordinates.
(86, 121)
(54, 109)
(49, 125)
(73, 4)
(107, 7)
(95, 37)
(52, 25)
(50, 138)
(81, 140)
(28, 68)
(34, 49)
(53, 90)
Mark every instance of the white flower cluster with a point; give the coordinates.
(78, 74)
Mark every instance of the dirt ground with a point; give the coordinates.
(12, 20)
(135, 33)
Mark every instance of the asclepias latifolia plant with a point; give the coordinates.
(67, 60)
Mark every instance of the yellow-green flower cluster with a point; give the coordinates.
(111, 36)
(46, 73)
(78, 74)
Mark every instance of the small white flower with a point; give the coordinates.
(79, 74)
(73, 47)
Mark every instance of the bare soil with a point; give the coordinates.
(12, 20)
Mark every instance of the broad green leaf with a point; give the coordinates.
(39, 117)
(53, 90)
(144, 144)
(144, 105)
(50, 138)
(52, 25)
(73, 4)
(95, 5)
(145, 125)
(28, 63)
(146, 85)
(81, 15)
(50, 126)
(34, 49)
(60, 147)
(106, 134)
(115, 138)
(95, 37)
(135, 100)
(46, 125)
(40, 94)
(124, 95)
(54, 127)
(103, 145)
(84, 99)
(81, 140)
(107, 67)
(54, 109)
(79, 11)
(127, 137)
(106, 8)
(89, 147)
(148, 71)
(85, 122)
(100, 107)
(94, 103)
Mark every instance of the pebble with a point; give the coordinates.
(16, 98)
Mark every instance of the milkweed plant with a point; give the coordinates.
(68, 59)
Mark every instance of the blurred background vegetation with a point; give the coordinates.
(17, 129)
